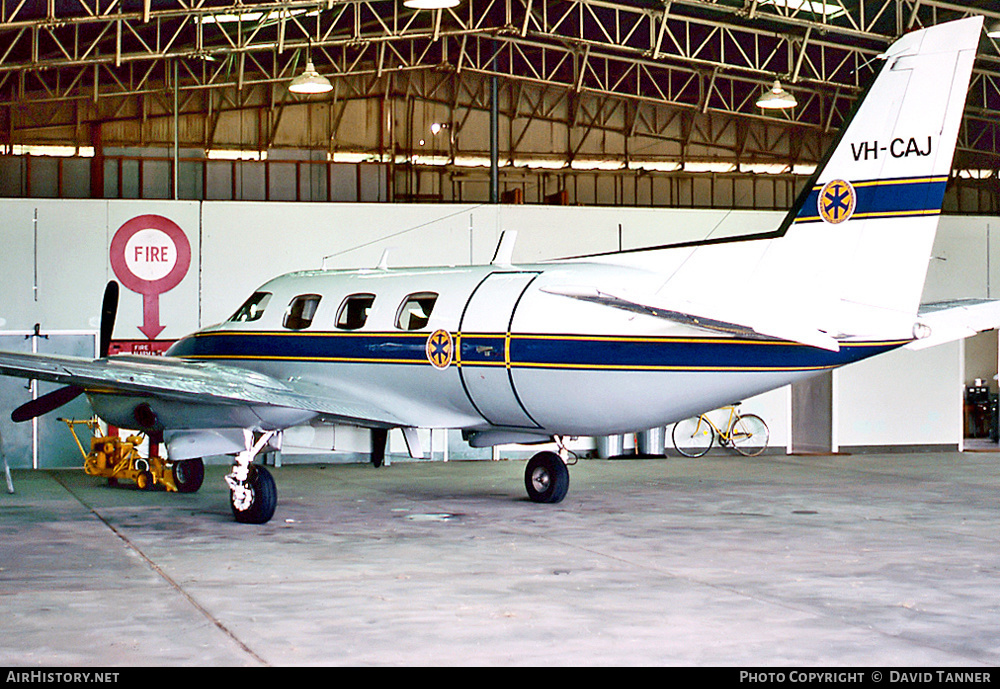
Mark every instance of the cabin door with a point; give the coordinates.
(484, 348)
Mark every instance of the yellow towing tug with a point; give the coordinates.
(115, 459)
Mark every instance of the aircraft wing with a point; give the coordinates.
(186, 381)
(955, 320)
(708, 317)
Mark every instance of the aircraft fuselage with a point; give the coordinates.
(498, 356)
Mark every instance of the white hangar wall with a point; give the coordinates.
(55, 263)
(247, 243)
(901, 398)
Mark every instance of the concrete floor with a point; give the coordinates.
(867, 560)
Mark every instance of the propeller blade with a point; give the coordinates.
(60, 396)
(45, 403)
(109, 310)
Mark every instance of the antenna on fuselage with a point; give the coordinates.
(387, 237)
(383, 262)
(505, 248)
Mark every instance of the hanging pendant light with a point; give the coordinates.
(310, 81)
(777, 98)
(430, 4)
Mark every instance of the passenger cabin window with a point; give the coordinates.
(301, 311)
(252, 309)
(353, 311)
(416, 311)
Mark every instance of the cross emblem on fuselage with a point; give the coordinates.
(439, 349)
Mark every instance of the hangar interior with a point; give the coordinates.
(862, 539)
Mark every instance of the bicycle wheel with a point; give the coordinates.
(692, 437)
(749, 435)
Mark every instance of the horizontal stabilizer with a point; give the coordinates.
(709, 318)
(948, 321)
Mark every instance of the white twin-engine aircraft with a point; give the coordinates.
(591, 346)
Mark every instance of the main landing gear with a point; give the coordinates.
(252, 493)
(546, 478)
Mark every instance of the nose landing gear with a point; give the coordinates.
(255, 498)
(253, 495)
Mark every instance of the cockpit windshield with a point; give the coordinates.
(252, 309)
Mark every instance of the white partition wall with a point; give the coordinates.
(248, 243)
(902, 398)
(56, 261)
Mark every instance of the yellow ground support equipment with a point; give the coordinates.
(115, 459)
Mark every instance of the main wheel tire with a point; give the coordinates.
(188, 475)
(692, 437)
(546, 478)
(749, 435)
(263, 498)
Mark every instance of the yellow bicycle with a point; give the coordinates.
(745, 433)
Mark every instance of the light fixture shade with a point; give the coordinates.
(310, 81)
(430, 4)
(994, 29)
(777, 98)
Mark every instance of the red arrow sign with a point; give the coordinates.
(150, 255)
(151, 316)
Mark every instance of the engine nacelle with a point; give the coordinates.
(164, 416)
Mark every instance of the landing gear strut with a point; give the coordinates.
(380, 437)
(252, 493)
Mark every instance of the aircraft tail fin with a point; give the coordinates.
(850, 258)
(870, 215)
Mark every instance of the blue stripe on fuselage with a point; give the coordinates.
(349, 347)
(530, 351)
(684, 353)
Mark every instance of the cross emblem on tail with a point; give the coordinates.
(836, 201)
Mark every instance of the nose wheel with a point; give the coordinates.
(254, 499)
(252, 492)
(546, 478)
